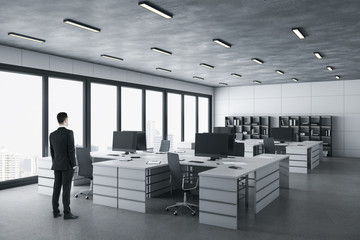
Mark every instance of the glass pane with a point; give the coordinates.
(20, 125)
(154, 115)
(103, 116)
(203, 114)
(174, 120)
(67, 96)
(189, 118)
(131, 109)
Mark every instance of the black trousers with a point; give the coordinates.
(62, 178)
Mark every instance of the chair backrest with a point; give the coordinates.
(269, 145)
(238, 149)
(165, 146)
(175, 169)
(84, 161)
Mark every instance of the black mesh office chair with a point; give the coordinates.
(85, 169)
(165, 146)
(269, 145)
(179, 180)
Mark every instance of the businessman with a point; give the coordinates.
(62, 151)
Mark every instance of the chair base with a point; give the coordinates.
(89, 192)
(183, 204)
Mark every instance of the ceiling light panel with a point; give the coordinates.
(155, 9)
(329, 68)
(298, 33)
(256, 60)
(337, 77)
(236, 75)
(163, 69)
(257, 82)
(279, 71)
(222, 43)
(223, 84)
(295, 79)
(26, 37)
(199, 78)
(111, 57)
(206, 65)
(82, 25)
(161, 51)
(318, 55)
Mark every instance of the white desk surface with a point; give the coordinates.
(304, 144)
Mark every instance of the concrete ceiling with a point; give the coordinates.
(255, 28)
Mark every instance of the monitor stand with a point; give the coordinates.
(213, 158)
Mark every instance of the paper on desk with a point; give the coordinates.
(234, 163)
(153, 162)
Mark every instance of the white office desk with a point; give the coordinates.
(127, 185)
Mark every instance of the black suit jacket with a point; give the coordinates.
(62, 149)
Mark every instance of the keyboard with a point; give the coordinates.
(194, 161)
(113, 154)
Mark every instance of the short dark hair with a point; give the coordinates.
(61, 117)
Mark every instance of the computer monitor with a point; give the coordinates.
(229, 130)
(213, 145)
(281, 134)
(141, 140)
(124, 141)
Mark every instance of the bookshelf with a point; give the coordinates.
(252, 127)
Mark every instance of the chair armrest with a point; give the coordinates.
(190, 178)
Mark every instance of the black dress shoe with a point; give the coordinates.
(56, 214)
(70, 216)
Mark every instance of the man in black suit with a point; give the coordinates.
(62, 150)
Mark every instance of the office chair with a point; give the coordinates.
(85, 169)
(179, 180)
(165, 146)
(269, 145)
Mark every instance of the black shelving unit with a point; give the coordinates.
(252, 127)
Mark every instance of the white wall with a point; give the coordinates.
(25, 58)
(340, 99)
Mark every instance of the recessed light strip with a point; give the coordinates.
(279, 71)
(26, 37)
(222, 43)
(318, 55)
(224, 84)
(196, 77)
(298, 33)
(295, 79)
(236, 75)
(151, 7)
(206, 65)
(81, 25)
(329, 68)
(161, 51)
(257, 82)
(257, 60)
(163, 69)
(111, 57)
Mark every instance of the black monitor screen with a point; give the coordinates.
(229, 130)
(124, 141)
(141, 141)
(213, 145)
(281, 134)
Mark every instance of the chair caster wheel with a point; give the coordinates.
(167, 209)
(76, 195)
(175, 213)
(87, 197)
(193, 213)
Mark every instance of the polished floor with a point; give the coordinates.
(322, 205)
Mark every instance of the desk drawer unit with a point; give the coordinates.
(105, 186)
(46, 176)
(315, 156)
(298, 163)
(157, 181)
(219, 201)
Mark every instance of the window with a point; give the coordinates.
(189, 118)
(131, 109)
(103, 116)
(154, 118)
(174, 119)
(20, 125)
(203, 114)
(67, 96)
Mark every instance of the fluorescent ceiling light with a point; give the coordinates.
(26, 37)
(317, 54)
(111, 57)
(196, 77)
(161, 51)
(236, 75)
(222, 43)
(224, 84)
(298, 33)
(329, 68)
(206, 65)
(295, 79)
(81, 25)
(337, 77)
(257, 82)
(163, 69)
(257, 60)
(151, 7)
(279, 71)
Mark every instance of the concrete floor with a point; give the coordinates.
(322, 205)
